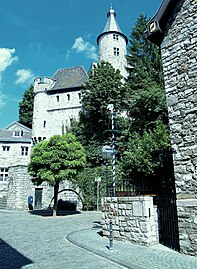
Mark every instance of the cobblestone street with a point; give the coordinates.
(31, 241)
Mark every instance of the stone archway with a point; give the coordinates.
(69, 190)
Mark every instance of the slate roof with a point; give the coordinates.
(6, 134)
(67, 78)
(111, 26)
(156, 26)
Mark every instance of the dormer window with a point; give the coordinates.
(17, 133)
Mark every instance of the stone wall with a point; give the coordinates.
(187, 225)
(134, 219)
(19, 187)
(179, 55)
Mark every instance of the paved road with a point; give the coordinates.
(30, 241)
(35, 242)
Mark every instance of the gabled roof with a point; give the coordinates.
(7, 133)
(156, 26)
(16, 125)
(67, 78)
(111, 26)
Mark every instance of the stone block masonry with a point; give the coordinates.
(134, 219)
(179, 55)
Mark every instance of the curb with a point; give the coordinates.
(101, 253)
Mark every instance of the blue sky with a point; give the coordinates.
(38, 37)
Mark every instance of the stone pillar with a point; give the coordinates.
(134, 219)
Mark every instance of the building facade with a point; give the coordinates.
(15, 148)
(174, 29)
(57, 102)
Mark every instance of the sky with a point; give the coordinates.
(41, 36)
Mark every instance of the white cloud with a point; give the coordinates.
(25, 76)
(81, 46)
(6, 59)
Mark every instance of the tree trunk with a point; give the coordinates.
(56, 188)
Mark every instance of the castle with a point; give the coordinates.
(57, 99)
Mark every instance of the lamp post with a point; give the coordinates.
(106, 153)
(110, 107)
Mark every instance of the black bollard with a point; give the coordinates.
(110, 235)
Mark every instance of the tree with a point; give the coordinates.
(26, 107)
(144, 59)
(141, 159)
(58, 159)
(103, 87)
(87, 186)
(147, 107)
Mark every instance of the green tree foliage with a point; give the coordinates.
(141, 158)
(58, 159)
(144, 60)
(88, 187)
(26, 108)
(103, 87)
(147, 133)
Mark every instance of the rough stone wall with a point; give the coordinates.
(106, 52)
(179, 55)
(19, 188)
(134, 219)
(187, 214)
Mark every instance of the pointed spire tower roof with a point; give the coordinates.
(111, 26)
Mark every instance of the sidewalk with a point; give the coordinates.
(131, 255)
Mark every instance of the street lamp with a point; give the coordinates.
(107, 152)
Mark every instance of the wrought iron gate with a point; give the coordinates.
(167, 210)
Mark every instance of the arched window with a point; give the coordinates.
(58, 98)
(68, 96)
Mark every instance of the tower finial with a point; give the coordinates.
(111, 6)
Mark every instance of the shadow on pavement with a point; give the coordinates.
(10, 258)
(49, 212)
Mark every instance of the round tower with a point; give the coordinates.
(112, 44)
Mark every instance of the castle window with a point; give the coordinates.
(115, 37)
(58, 98)
(44, 124)
(6, 148)
(24, 151)
(68, 96)
(79, 94)
(116, 51)
(3, 174)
